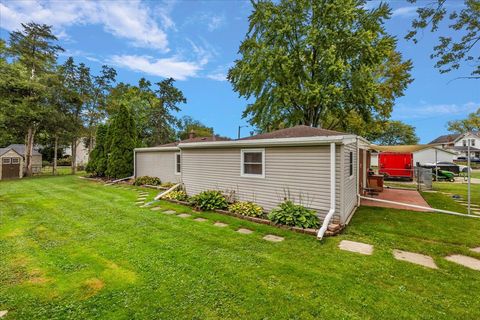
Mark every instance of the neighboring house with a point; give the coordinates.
(459, 143)
(82, 152)
(295, 163)
(11, 164)
(421, 153)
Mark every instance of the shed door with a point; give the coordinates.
(10, 168)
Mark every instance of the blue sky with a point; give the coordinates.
(196, 42)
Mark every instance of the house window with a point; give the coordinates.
(350, 163)
(472, 142)
(464, 143)
(15, 160)
(6, 160)
(253, 163)
(178, 163)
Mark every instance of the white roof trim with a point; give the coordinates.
(297, 141)
(157, 149)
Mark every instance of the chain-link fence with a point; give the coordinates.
(423, 177)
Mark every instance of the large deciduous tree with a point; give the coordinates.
(471, 123)
(397, 133)
(316, 62)
(34, 55)
(461, 46)
(187, 124)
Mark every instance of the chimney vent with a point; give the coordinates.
(191, 134)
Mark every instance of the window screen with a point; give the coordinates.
(253, 162)
(351, 164)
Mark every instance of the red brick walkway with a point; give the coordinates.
(397, 195)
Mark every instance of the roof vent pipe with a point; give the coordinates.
(330, 213)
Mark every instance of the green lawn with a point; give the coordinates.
(475, 174)
(75, 249)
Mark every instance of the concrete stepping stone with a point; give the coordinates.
(273, 238)
(156, 208)
(477, 249)
(200, 219)
(465, 261)
(3, 313)
(357, 247)
(169, 212)
(139, 202)
(244, 231)
(220, 224)
(416, 258)
(184, 215)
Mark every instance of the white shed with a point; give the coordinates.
(421, 153)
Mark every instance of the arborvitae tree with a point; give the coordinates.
(122, 138)
(97, 163)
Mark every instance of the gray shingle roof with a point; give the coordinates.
(299, 131)
(20, 148)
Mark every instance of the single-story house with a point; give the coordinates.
(320, 169)
(36, 157)
(422, 153)
(11, 163)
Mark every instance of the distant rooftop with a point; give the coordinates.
(299, 131)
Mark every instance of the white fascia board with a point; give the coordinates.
(157, 149)
(303, 141)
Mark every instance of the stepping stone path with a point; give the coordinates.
(184, 215)
(272, 238)
(169, 212)
(3, 313)
(416, 258)
(357, 247)
(140, 202)
(220, 224)
(477, 249)
(200, 219)
(156, 208)
(244, 231)
(465, 261)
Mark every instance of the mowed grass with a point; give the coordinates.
(75, 249)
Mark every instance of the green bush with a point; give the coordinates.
(177, 195)
(64, 161)
(291, 214)
(153, 181)
(209, 200)
(246, 208)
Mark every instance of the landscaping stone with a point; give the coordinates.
(141, 198)
(357, 247)
(272, 238)
(200, 219)
(184, 215)
(169, 212)
(220, 224)
(416, 258)
(244, 231)
(465, 261)
(156, 208)
(140, 202)
(477, 249)
(3, 313)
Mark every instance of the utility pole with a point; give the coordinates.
(468, 174)
(240, 127)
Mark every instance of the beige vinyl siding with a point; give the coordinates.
(301, 172)
(159, 164)
(349, 183)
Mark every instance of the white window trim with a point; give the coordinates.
(176, 163)
(16, 159)
(6, 160)
(249, 175)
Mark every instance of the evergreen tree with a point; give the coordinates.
(97, 164)
(121, 142)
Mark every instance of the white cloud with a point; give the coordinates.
(165, 67)
(425, 110)
(131, 20)
(217, 76)
(405, 12)
(214, 22)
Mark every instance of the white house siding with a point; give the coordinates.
(349, 183)
(159, 164)
(304, 172)
(428, 156)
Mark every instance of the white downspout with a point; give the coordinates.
(330, 213)
(134, 164)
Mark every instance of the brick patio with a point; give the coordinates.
(397, 195)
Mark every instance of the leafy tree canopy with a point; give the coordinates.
(316, 62)
(187, 124)
(396, 133)
(471, 123)
(461, 46)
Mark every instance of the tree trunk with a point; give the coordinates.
(90, 146)
(74, 156)
(29, 150)
(55, 148)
